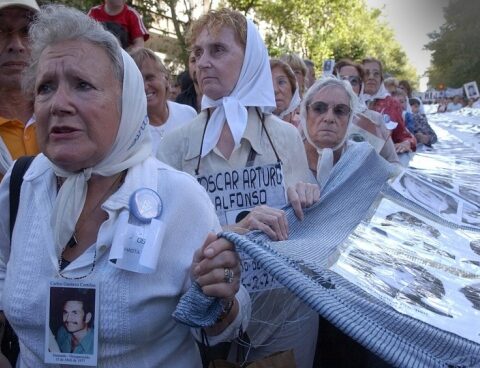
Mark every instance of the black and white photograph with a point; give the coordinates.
(471, 89)
(427, 196)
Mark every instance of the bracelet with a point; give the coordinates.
(227, 306)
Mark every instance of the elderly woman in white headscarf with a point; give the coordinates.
(287, 96)
(246, 157)
(326, 113)
(94, 212)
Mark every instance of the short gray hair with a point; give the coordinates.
(58, 23)
(321, 84)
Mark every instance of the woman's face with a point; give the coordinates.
(373, 77)
(350, 73)
(219, 59)
(77, 104)
(402, 100)
(156, 85)
(282, 88)
(327, 127)
(192, 68)
(300, 78)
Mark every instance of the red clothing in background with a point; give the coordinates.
(128, 19)
(392, 108)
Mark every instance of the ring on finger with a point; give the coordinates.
(227, 275)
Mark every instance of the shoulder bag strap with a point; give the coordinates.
(19, 169)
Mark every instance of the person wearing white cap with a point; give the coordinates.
(17, 131)
(240, 150)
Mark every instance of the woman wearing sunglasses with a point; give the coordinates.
(352, 72)
(326, 113)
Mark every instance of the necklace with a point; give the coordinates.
(113, 188)
(62, 262)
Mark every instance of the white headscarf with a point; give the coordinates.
(325, 155)
(254, 88)
(132, 145)
(379, 95)
(294, 103)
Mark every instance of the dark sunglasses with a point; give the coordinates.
(353, 80)
(320, 108)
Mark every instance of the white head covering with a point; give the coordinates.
(294, 103)
(379, 95)
(325, 155)
(254, 88)
(132, 145)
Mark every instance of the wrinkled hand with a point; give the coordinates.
(302, 195)
(403, 147)
(271, 221)
(209, 264)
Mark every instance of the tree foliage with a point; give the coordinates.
(322, 29)
(455, 51)
(315, 29)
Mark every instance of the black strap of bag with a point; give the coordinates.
(10, 346)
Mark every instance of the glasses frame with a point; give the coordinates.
(338, 114)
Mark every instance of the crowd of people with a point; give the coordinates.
(113, 201)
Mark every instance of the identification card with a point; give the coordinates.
(72, 320)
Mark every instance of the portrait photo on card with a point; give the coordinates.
(328, 66)
(71, 333)
(471, 89)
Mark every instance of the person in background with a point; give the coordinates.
(377, 98)
(352, 72)
(287, 97)
(406, 87)
(123, 21)
(17, 128)
(391, 84)
(455, 104)
(164, 115)
(421, 129)
(175, 87)
(236, 130)
(190, 94)
(442, 105)
(401, 96)
(95, 178)
(299, 68)
(310, 79)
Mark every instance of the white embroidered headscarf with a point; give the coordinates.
(132, 145)
(325, 161)
(254, 88)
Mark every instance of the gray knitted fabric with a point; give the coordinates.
(300, 265)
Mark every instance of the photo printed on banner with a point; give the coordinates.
(436, 199)
(417, 266)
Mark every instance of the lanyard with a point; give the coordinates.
(252, 154)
